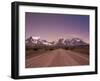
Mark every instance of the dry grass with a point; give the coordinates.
(84, 50)
(32, 53)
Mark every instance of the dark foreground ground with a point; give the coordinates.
(57, 57)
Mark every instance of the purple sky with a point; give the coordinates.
(54, 26)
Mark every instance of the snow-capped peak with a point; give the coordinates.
(78, 40)
(35, 38)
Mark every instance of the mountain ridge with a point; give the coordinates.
(33, 41)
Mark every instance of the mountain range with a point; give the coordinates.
(36, 41)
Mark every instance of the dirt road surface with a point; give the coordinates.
(58, 57)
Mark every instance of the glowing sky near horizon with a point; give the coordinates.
(54, 26)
